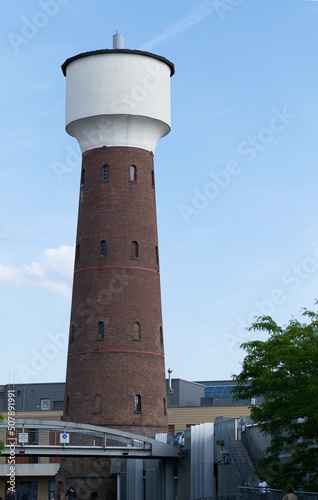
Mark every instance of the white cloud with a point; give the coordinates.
(53, 271)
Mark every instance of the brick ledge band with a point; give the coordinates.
(116, 267)
(116, 350)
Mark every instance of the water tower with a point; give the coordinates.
(117, 107)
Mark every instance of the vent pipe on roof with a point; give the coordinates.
(118, 41)
(170, 381)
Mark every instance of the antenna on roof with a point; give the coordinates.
(118, 41)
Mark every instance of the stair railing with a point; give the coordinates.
(252, 447)
(224, 437)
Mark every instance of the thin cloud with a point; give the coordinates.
(53, 271)
(195, 17)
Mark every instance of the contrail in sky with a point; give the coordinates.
(195, 17)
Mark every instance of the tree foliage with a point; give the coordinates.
(284, 371)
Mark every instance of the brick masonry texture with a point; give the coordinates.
(118, 290)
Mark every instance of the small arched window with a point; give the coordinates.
(101, 330)
(83, 177)
(136, 331)
(133, 173)
(97, 406)
(103, 248)
(72, 334)
(137, 403)
(134, 250)
(67, 405)
(153, 178)
(105, 173)
(157, 256)
(77, 253)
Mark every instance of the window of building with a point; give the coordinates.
(161, 335)
(58, 405)
(97, 407)
(136, 331)
(34, 437)
(72, 334)
(137, 403)
(157, 256)
(83, 177)
(133, 173)
(101, 330)
(51, 490)
(164, 406)
(77, 253)
(67, 405)
(105, 173)
(134, 250)
(153, 178)
(103, 248)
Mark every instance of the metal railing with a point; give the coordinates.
(252, 447)
(224, 437)
(247, 493)
(59, 438)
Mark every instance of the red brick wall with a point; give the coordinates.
(119, 291)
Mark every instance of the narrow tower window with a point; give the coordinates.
(105, 173)
(72, 334)
(161, 335)
(136, 331)
(134, 250)
(67, 405)
(137, 403)
(97, 406)
(157, 256)
(77, 253)
(133, 173)
(83, 177)
(153, 178)
(103, 248)
(164, 406)
(101, 330)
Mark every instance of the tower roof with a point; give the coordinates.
(118, 51)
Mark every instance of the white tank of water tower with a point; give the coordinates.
(118, 97)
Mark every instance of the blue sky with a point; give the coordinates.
(236, 179)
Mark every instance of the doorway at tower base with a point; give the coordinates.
(90, 477)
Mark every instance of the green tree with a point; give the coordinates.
(284, 371)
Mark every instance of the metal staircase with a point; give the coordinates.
(236, 450)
